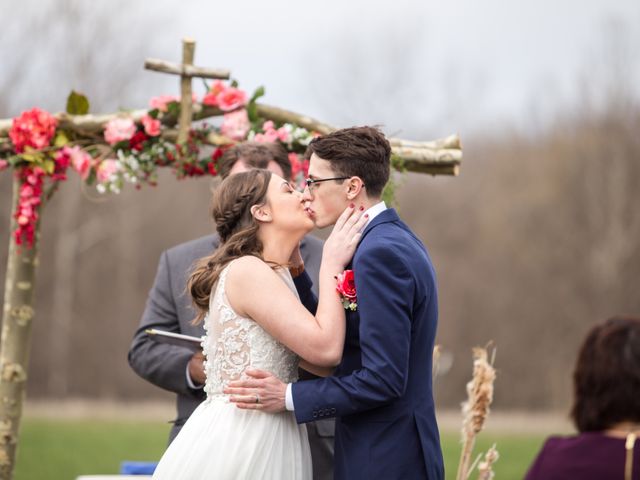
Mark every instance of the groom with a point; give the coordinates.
(381, 391)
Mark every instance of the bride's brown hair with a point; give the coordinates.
(237, 228)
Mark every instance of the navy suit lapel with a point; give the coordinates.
(351, 357)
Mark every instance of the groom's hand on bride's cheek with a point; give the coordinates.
(262, 391)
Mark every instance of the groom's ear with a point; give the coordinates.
(354, 186)
(261, 213)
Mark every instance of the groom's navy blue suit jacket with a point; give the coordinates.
(382, 390)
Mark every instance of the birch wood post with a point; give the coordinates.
(16, 339)
(186, 107)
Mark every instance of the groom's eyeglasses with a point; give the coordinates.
(311, 182)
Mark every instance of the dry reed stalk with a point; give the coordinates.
(485, 469)
(476, 409)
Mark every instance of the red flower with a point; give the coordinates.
(298, 166)
(346, 287)
(218, 152)
(34, 128)
(192, 170)
(135, 142)
(212, 169)
(346, 284)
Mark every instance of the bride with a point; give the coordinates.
(260, 219)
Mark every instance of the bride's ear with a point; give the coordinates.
(261, 213)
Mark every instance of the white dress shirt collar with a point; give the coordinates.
(375, 210)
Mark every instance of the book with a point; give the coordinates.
(178, 339)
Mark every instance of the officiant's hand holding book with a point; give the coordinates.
(187, 341)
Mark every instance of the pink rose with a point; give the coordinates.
(106, 170)
(268, 125)
(231, 99)
(3, 164)
(283, 134)
(151, 126)
(80, 160)
(211, 97)
(119, 129)
(266, 137)
(162, 102)
(235, 125)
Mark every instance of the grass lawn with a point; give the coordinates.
(63, 449)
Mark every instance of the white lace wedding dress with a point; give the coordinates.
(221, 441)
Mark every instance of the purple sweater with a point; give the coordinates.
(588, 456)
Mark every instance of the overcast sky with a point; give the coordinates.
(417, 67)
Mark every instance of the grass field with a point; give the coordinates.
(63, 449)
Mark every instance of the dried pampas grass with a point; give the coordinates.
(476, 409)
(485, 468)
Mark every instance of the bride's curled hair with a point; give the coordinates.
(237, 228)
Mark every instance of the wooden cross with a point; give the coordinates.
(186, 70)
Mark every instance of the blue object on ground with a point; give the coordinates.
(137, 468)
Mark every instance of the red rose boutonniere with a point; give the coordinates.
(347, 289)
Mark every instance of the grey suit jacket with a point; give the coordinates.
(169, 308)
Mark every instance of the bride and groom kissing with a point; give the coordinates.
(372, 348)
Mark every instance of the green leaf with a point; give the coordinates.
(252, 111)
(259, 92)
(234, 83)
(173, 109)
(61, 139)
(48, 166)
(32, 156)
(77, 103)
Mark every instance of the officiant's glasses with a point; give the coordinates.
(311, 182)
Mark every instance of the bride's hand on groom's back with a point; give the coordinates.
(341, 244)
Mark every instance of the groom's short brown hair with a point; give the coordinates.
(356, 152)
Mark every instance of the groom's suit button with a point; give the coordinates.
(315, 414)
(333, 410)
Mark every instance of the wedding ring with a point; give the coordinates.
(257, 398)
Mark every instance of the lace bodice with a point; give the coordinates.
(233, 344)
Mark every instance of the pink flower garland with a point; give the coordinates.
(33, 129)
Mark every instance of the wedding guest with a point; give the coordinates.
(169, 308)
(606, 410)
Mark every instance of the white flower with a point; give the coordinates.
(101, 188)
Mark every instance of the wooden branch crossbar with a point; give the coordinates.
(436, 157)
(186, 70)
